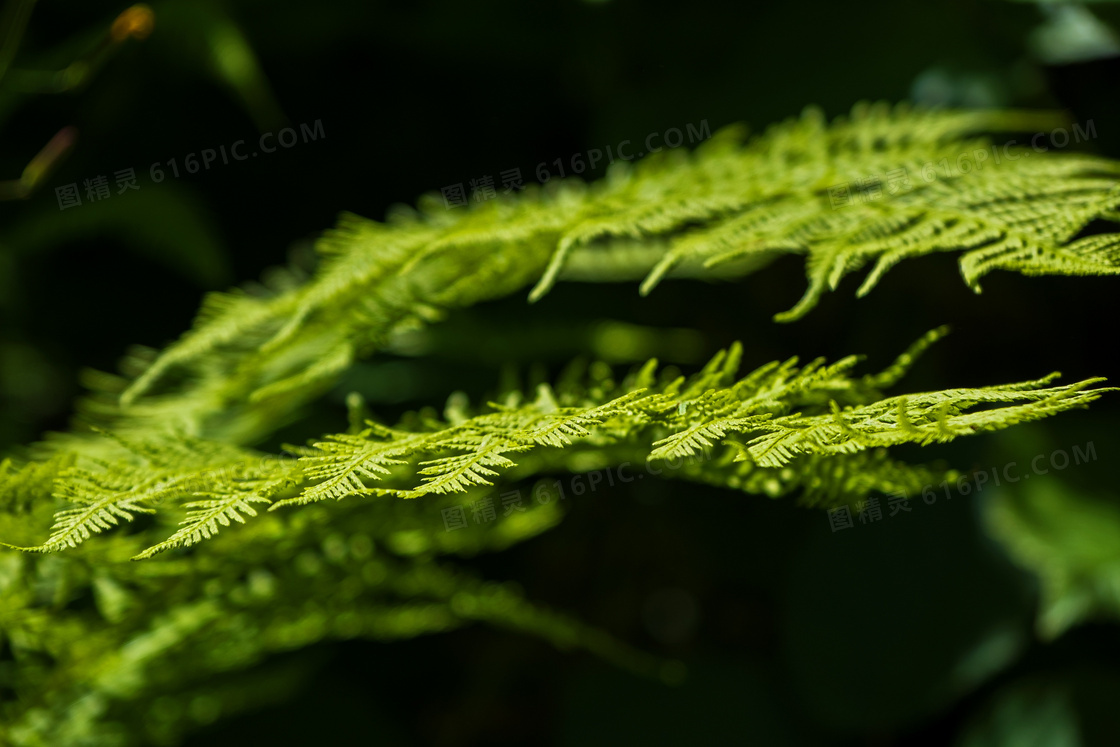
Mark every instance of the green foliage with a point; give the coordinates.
(1027, 715)
(254, 356)
(113, 652)
(160, 458)
(370, 568)
(1071, 542)
(791, 417)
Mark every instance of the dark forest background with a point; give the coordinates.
(917, 630)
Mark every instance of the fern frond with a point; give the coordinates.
(814, 419)
(921, 418)
(817, 480)
(372, 576)
(92, 516)
(727, 209)
(204, 517)
(700, 437)
(790, 413)
(24, 485)
(169, 472)
(454, 474)
(337, 465)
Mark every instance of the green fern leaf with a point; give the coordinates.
(725, 210)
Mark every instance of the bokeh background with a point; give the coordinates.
(920, 629)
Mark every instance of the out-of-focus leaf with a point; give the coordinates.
(1026, 715)
(1071, 541)
(1071, 706)
(200, 35)
(164, 222)
(1072, 33)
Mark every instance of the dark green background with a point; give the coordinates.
(803, 636)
